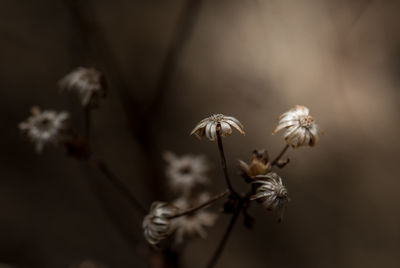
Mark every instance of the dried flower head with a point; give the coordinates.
(193, 224)
(185, 172)
(44, 127)
(87, 82)
(157, 225)
(258, 164)
(218, 122)
(271, 192)
(301, 129)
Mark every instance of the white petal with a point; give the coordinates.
(199, 125)
(213, 131)
(225, 129)
(302, 110)
(233, 124)
(269, 201)
(208, 131)
(260, 195)
(283, 125)
(234, 120)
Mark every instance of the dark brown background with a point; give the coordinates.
(249, 59)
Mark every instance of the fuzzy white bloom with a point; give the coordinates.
(218, 122)
(193, 224)
(185, 172)
(44, 127)
(157, 225)
(87, 82)
(271, 192)
(301, 129)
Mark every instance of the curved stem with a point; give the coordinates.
(119, 185)
(224, 167)
(208, 202)
(228, 231)
(275, 161)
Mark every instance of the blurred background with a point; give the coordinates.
(170, 64)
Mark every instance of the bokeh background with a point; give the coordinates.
(170, 64)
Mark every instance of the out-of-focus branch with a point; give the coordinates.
(142, 116)
(183, 30)
(208, 202)
(119, 185)
(227, 233)
(120, 225)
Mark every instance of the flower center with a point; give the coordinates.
(44, 124)
(281, 191)
(306, 121)
(217, 117)
(186, 170)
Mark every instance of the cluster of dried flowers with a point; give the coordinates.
(186, 174)
(187, 216)
(183, 216)
(50, 127)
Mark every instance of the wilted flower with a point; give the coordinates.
(193, 224)
(300, 127)
(157, 225)
(271, 192)
(44, 127)
(218, 122)
(87, 82)
(186, 171)
(258, 164)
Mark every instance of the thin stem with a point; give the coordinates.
(224, 167)
(87, 122)
(208, 202)
(275, 161)
(228, 231)
(120, 186)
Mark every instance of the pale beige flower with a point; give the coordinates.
(271, 192)
(44, 127)
(301, 129)
(218, 122)
(157, 225)
(185, 172)
(194, 224)
(87, 82)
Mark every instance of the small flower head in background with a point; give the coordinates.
(258, 164)
(185, 172)
(44, 127)
(87, 82)
(271, 192)
(301, 129)
(157, 225)
(194, 224)
(218, 122)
